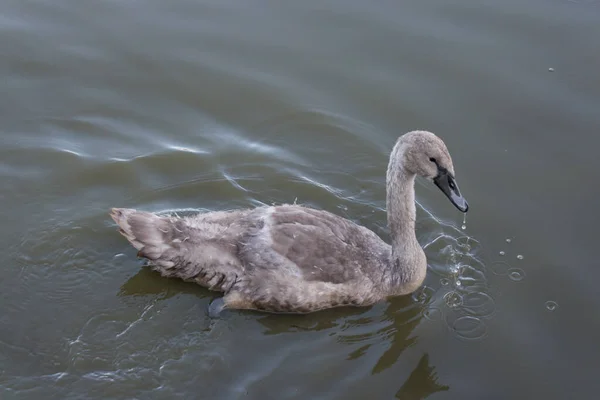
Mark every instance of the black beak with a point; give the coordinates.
(445, 181)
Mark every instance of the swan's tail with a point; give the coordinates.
(154, 237)
(178, 250)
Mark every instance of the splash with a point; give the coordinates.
(457, 283)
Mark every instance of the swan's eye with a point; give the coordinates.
(433, 160)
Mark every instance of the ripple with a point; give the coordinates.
(446, 254)
(516, 274)
(478, 304)
(453, 299)
(233, 181)
(423, 295)
(187, 149)
(500, 268)
(463, 303)
(551, 305)
(337, 124)
(468, 327)
(468, 244)
(472, 277)
(432, 313)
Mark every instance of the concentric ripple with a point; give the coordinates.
(458, 289)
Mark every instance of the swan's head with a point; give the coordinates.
(424, 154)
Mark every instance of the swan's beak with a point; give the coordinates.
(445, 181)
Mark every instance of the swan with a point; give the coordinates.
(296, 259)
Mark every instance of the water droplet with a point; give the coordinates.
(445, 281)
(551, 69)
(453, 299)
(464, 227)
(519, 257)
(502, 253)
(458, 283)
(508, 240)
(454, 270)
(516, 274)
(551, 305)
(432, 313)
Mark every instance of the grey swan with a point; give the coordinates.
(295, 259)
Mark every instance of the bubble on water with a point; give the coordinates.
(508, 240)
(445, 281)
(502, 253)
(453, 299)
(433, 313)
(458, 283)
(519, 257)
(516, 274)
(551, 305)
(500, 268)
(468, 327)
(454, 269)
(463, 227)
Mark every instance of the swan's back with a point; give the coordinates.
(314, 244)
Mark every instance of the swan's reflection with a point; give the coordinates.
(147, 282)
(394, 324)
(421, 383)
(400, 317)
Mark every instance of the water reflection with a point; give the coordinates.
(327, 319)
(403, 316)
(358, 325)
(394, 326)
(150, 283)
(421, 383)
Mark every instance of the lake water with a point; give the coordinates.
(206, 105)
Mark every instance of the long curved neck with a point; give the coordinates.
(400, 204)
(407, 263)
(401, 211)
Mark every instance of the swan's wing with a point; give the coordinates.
(313, 245)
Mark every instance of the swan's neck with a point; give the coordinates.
(407, 264)
(401, 211)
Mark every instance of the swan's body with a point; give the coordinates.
(292, 258)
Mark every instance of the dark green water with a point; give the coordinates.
(172, 105)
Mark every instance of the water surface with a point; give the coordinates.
(206, 105)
